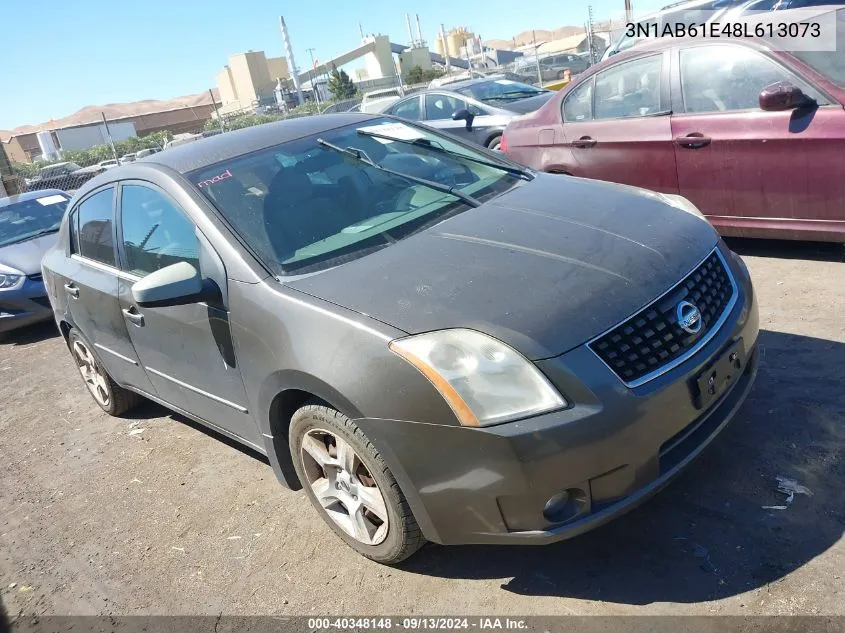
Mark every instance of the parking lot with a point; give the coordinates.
(152, 514)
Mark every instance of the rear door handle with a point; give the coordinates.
(136, 318)
(695, 140)
(584, 141)
(72, 290)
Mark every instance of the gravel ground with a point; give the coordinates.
(174, 520)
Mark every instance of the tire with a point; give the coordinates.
(364, 473)
(111, 397)
(494, 142)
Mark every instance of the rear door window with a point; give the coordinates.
(408, 109)
(96, 223)
(631, 89)
(578, 105)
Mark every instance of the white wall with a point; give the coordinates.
(76, 138)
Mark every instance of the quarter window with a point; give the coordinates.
(578, 105)
(409, 109)
(95, 227)
(629, 90)
(725, 78)
(155, 232)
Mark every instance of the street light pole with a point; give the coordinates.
(537, 59)
(313, 78)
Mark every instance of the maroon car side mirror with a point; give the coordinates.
(781, 96)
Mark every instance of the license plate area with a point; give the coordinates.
(719, 375)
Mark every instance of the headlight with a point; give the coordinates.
(483, 380)
(679, 202)
(11, 281)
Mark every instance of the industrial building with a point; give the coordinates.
(85, 129)
(249, 80)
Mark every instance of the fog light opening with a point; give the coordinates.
(565, 506)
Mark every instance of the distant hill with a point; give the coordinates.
(92, 113)
(527, 37)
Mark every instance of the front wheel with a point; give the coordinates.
(351, 487)
(494, 142)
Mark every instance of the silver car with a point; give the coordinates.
(476, 109)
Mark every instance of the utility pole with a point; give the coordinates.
(108, 134)
(313, 77)
(590, 41)
(537, 59)
(216, 111)
(628, 11)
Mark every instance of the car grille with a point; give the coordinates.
(652, 341)
(35, 277)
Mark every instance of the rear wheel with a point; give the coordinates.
(111, 397)
(351, 487)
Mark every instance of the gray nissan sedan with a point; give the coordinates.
(434, 342)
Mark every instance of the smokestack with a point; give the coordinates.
(445, 49)
(419, 31)
(410, 33)
(294, 71)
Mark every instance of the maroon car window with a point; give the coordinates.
(831, 64)
(578, 105)
(629, 90)
(725, 78)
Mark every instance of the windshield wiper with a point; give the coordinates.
(30, 236)
(361, 157)
(422, 142)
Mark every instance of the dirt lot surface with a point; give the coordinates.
(171, 519)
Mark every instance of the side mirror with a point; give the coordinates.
(464, 115)
(175, 285)
(781, 96)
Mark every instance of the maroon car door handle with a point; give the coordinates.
(584, 141)
(696, 140)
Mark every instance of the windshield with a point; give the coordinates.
(831, 64)
(499, 90)
(23, 220)
(303, 207)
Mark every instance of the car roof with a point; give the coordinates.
(463, 83)
(214, 149)
(31, 195)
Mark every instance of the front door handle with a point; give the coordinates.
(136, 318)
(72, 290)
(695, 140)
(584, 141)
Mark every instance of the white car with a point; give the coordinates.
(377, 100)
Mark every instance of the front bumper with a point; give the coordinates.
(24, 306)
(614, 448)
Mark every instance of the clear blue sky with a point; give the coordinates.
(71, 54)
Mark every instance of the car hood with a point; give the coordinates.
(26, 256)
(545, 267)
(523, 106)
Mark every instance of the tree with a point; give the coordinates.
(417, 75)
(414, 75)
(340, 85)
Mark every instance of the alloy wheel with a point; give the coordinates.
(91, 373)
(344, 487)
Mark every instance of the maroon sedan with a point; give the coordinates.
(753, 136)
